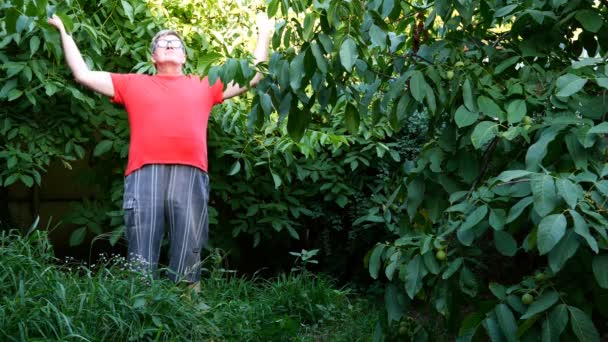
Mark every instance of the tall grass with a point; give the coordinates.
(44, 299)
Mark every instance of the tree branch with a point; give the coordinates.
(484, 167)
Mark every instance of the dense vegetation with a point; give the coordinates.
(45, 300)
(456, 147)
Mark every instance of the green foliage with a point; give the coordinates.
(470, 128)
(515, 165)
(44, 300)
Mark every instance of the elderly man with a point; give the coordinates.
(166, 176)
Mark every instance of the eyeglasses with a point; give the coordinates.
(173, 43)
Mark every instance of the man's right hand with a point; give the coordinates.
(57, 23)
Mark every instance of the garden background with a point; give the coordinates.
(445, 160)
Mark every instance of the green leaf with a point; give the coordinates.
(351, 118)
(319, 58)
(236, 167)
(266, 103)
(418, 86)
(518, 208)
(431, 100)
(50, 10)
(27, 180)
(602, 82)
(474, 217)
(541, 304)
(505, 243)
(348, 54)
(77, 236)
(569, 84)
(128, 10)
(516, 110)
(139, 303)
(577, 151)
(563, 251)
(468, 283)
(538, 150)
(493, 329)
(414, 274)
(387, 7)
(103, 147)
(34, 45)
(453, 267)
(296, 71)
(392, 300)
(600, 270)
(277, 182)
(272, 8)
(584, 62)
(544, 194)
(67, 21)
(498, 290)
(7, 87)
(469, 326)
(22, 22)
(11, 20)
(550, 231)
(309, 25)
(569, 191)
(467, 95)
(11, 179)
(483, 133)
(602, 187)
(431, 263)
(14, 94)
(582, 326)
(375, 260)
(582, 229)
(489, 108)
(443, 9)
(498, 218)
(599, 129)
(506, 321)
(464, 117)
(415, 196)
(503, 11)
(506, 64)
(377, 36)
(591, 20)
(117, 234)
(297, 122)
(509, 175)
(555, 324)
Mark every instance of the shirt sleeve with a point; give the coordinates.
(120, 83)
(217, 91)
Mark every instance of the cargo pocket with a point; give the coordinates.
(129, 212)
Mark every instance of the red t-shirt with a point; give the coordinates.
(168, 117)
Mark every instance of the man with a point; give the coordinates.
(166, 176)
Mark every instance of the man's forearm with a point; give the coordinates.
(72, 56)
(261, 53)
(262, 46)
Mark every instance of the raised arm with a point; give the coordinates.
(260, 54)
(99, 81)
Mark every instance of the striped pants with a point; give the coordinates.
(174, 196)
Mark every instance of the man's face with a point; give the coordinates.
(169, 50)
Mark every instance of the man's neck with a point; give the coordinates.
(169, 70)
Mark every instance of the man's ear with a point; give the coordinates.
(153, 60)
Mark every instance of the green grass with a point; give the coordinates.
(43, 299)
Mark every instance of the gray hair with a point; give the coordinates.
(164, 33)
